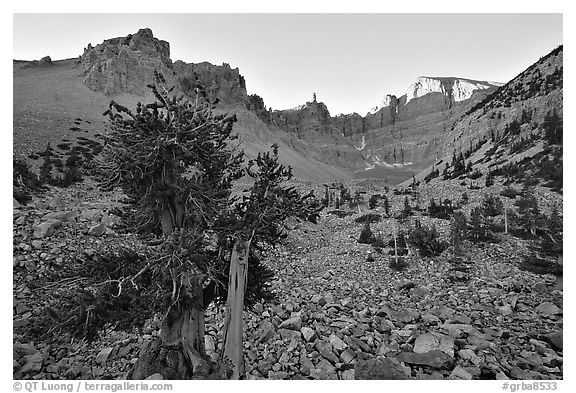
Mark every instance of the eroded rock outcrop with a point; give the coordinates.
(127, 64)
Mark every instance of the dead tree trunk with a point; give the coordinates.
(233, 350)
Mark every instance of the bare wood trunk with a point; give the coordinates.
(172, 215)
(233, 349)
(395, 246)
(505, 220)
(179, 353)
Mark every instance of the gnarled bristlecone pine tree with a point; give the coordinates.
(174, 158)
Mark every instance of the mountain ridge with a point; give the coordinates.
(407, 132)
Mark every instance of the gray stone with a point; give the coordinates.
(309, 334)
(155, 377)
(103, 355)
(305, 365)
(430, 318)
(460, 373)
(541, 287)
(91, 215)
(501, 376)
(548, 309)
(97, 230)
(436, 359)
(289, 334)
(64, 216)
(461, 318)
(348, 355)
(46, 229)
(325, 350)
(267, 331)
(348, 375)
(378, 369)
(21, 308)
(434, 341)
(294, 323)
(337, 343)
(456, 329)
(556, 339)
(319, 300)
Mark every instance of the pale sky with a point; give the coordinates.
(351, 61)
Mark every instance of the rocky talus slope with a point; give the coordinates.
(338, 314)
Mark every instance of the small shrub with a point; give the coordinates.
(369, 217)
(373, 201)
(379, 244)
(398, 264)
(492, 206)
(425, 239)
(340, 213)
(366, 236)
(510, 192)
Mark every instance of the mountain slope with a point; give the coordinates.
(511, 125)
(61, 101)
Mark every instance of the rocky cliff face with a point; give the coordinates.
(126, 64)
(222, 82)
(398, 133)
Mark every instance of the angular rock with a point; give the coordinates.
(430, 318)
(91, 215)
(309, 334)
(46, 229)
(378, 369)
(456, 329)
(548, 309)
(294, 323)
(325, 350)
(319, 300)
(155, 377)
(337, 343)
(64, 216)
(435, 359)
(556, 339)
(97, 230)
(289, 334)
(357, 344)
(33, 364)
(460, 373)
(306, 365)
(103, 355)
(461, 318)
(348, 355)
(434, 341)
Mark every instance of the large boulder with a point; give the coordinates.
(435, 359)
(46, 228)
(379, 368)
(434, 341)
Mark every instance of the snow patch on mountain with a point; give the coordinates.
(378, 162)
(363, 145)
